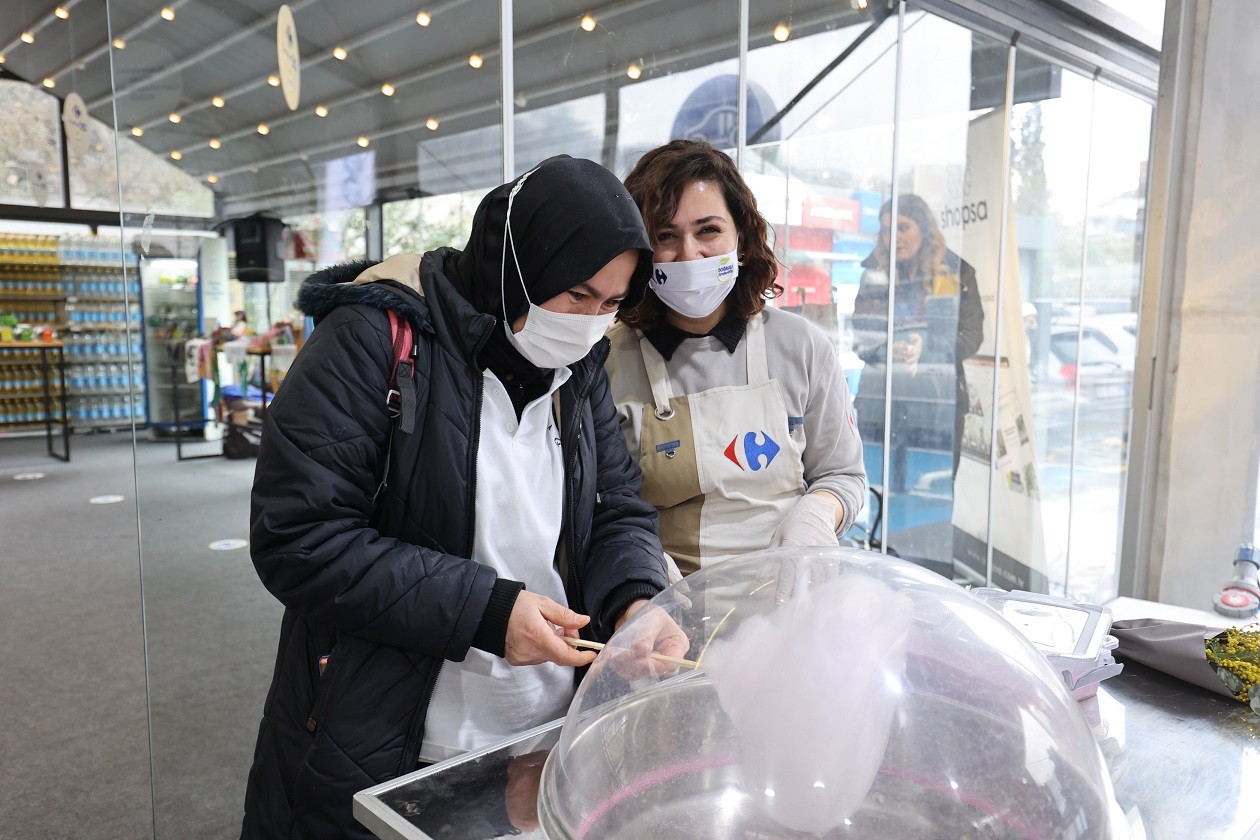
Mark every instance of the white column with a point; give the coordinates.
(1199, 440)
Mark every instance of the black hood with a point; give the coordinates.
(569, 219)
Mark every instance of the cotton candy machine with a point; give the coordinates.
(839, 693)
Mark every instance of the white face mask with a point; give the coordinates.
(695, 288)
(548, 339)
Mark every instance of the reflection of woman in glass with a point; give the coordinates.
(937, 323)
(738, 412)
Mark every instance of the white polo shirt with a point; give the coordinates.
(519, 511)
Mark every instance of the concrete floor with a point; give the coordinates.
(74, 756)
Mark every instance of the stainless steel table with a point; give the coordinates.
(1186, 759)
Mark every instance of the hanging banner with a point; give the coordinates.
(1020, 552)
(74, 116)
(288, 59)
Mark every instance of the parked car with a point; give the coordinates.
(1087, 377)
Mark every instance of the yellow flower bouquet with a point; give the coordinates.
(1235, 654)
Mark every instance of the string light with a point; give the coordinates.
(137, 131)
(62, 12)
(782, 32)
(215, 143)
(340, 53)
(175, 118)
(587, 23)
(212, 179)
(432, 124)
(475, 61)
(634, 71)
(218, 102)
(424, 18)
(273, 80)
(321, 110)
(264, 129)
(177, 155)
(119, 44)
(387, 89)
(50, 82)
(167, 13)
(28, 37)
(363, 141)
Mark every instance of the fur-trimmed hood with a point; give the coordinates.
(391, 284)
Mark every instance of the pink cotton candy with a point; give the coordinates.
(811, 756)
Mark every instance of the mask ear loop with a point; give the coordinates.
(507, 239)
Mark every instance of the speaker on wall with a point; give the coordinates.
(259, 243)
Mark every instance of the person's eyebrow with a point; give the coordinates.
(707, 219)
(587, 288)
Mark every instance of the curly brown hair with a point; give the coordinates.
(656, 183)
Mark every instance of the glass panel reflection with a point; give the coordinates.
(388, 109)
(945, 248)
(1106, 354)
(72, 678)
(1050, 162)
(822, 167)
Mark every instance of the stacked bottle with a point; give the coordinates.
(104, 354)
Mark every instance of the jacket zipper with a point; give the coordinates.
(581, 396)
(411, 749)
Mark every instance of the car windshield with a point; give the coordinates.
(1092, 351)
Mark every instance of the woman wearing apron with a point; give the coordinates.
(737, 412)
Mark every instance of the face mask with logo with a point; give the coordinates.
(695, 288)
(548, 339)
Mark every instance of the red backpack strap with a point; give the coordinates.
(401, 399)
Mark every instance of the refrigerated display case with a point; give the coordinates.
(171, 295)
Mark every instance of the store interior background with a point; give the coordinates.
(137, 653)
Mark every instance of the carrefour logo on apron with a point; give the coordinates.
(748, 454)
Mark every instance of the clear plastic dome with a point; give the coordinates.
(839, 693)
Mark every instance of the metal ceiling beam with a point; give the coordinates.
(1047, 30)
(308, 62)
(218, 46)
(35, 28)
(539, 35)
(103, 49)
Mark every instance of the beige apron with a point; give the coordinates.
(720, 465)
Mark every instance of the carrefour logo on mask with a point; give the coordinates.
(746, 451)
(660, 277)
(726, 270)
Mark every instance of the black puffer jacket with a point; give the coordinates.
(385, 589)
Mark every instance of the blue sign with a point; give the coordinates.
(710, 113)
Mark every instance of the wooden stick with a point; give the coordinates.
(672, 660)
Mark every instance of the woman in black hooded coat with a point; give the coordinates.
(364, 527)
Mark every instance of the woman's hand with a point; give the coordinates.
(908, 352)
(534, 630)
(653, 632)
(811, 521)
(520, 795)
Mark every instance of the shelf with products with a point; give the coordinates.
(86, 288)
(33, 391)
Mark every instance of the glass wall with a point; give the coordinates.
(962, 218)
(362, 125)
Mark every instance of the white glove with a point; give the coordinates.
(672, 572)
(812, 521)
